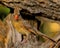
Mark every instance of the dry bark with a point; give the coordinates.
(48, 10)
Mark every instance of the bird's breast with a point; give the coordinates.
(20, 28)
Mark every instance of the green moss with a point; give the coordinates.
(4, 11)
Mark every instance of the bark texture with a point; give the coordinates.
(39, 11)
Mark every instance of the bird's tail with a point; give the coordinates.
(36, 32)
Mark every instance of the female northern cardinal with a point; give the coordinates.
(20, 26)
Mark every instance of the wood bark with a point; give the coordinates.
(43, 10)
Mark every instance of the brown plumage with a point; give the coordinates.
(22, 26)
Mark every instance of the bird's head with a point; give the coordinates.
(16, 17)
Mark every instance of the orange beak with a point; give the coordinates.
(16, 17)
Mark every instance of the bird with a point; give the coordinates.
(19, 26)
(23, 27)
